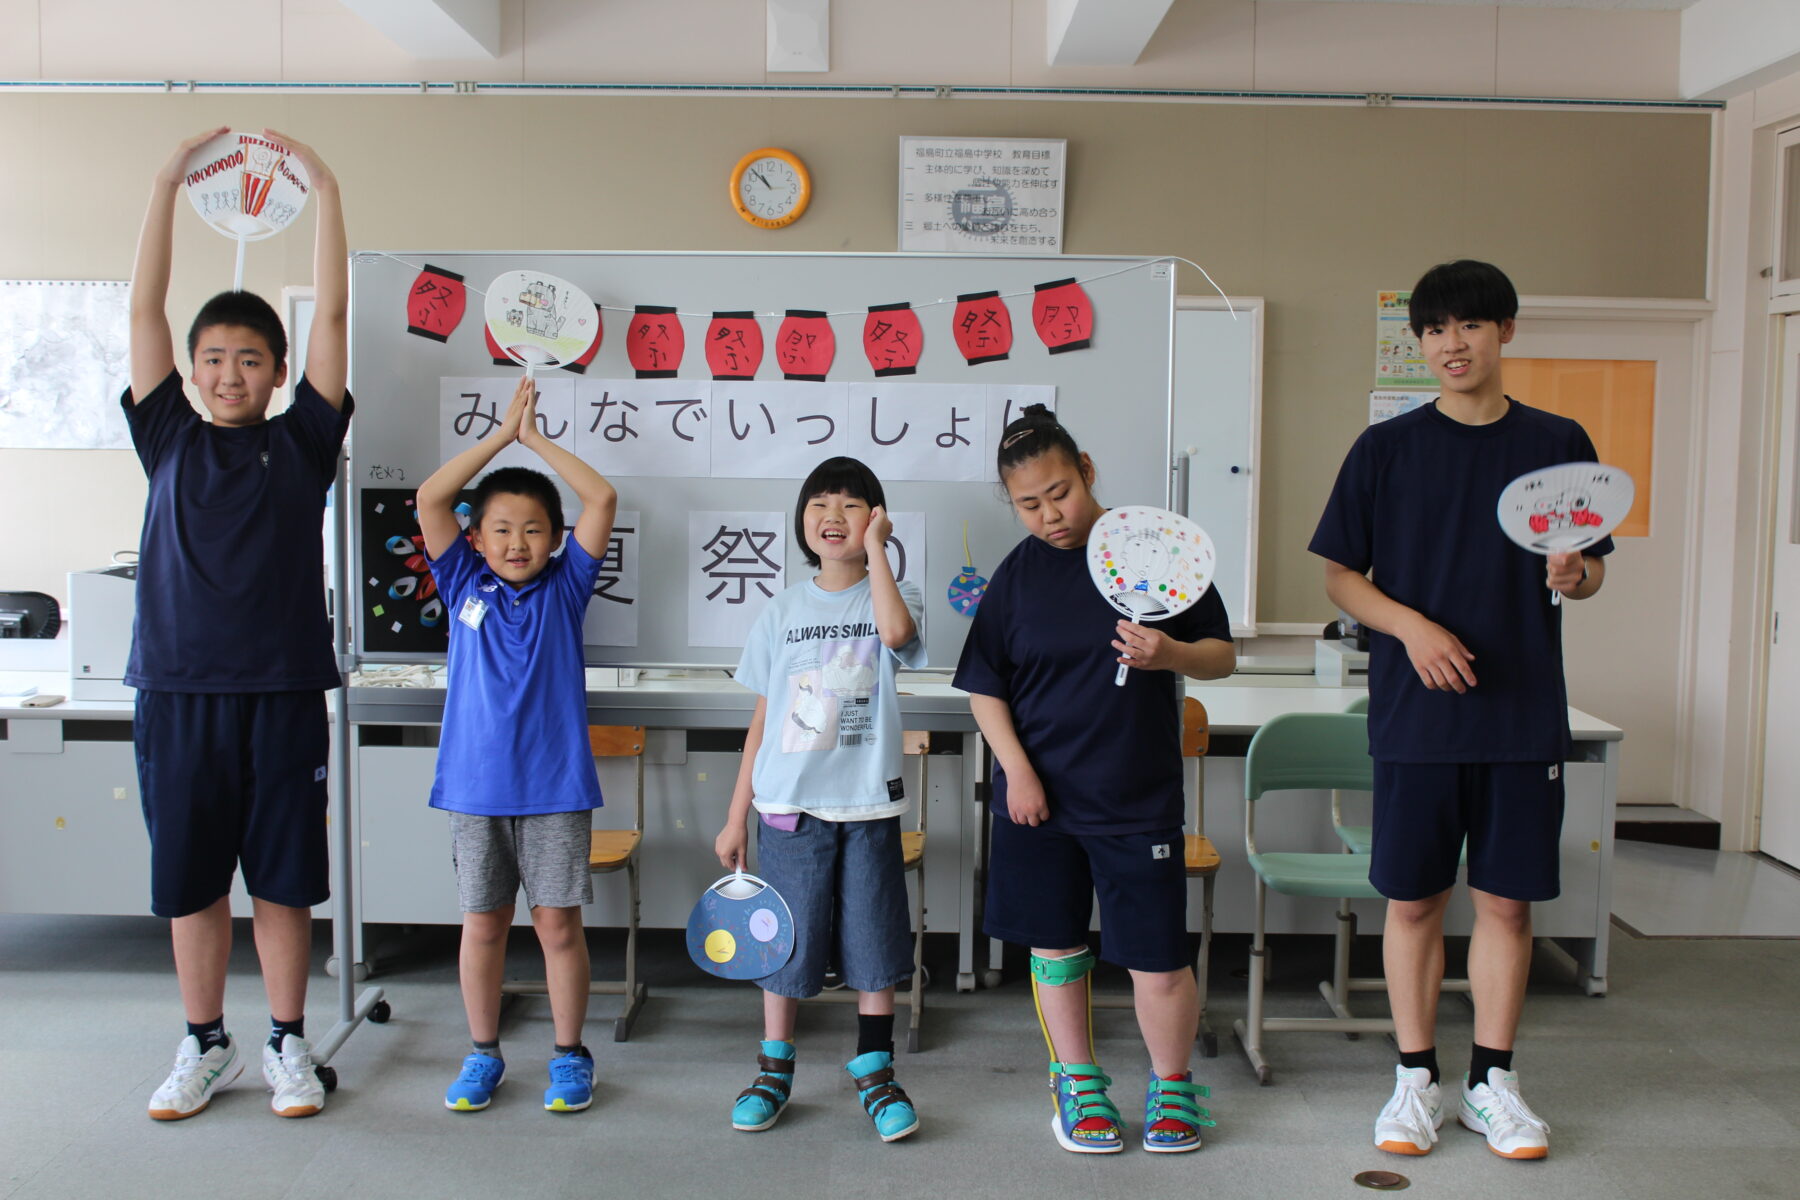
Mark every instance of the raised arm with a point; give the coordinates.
(328, 342)
(152, 343)
(893, 621)
(599, 499)
(437, 495)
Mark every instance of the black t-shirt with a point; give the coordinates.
(1416, 500)
(231, 578)
(1109, 757)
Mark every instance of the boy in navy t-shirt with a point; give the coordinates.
(231, 647)
(1468, 714)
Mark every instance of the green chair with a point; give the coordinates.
(1357, 839)
(1307, 752)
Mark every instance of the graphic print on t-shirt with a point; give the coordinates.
(831, 687)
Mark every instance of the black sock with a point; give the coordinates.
(874, 1031)
(1421, 1058)
(491, 1049)
(1485, 1057)
(577, 1048)
(280, 1029)
(211, 1033)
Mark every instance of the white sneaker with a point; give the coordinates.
(1496, 1109)
(194, 1078)
(290, 1075)
(1410, 1122)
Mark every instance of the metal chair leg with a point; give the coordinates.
(1209, 1041)
(634, 991)
(1249, 1031)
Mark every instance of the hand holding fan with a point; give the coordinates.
(246, 186)
(740, 929)
(1565, 508)
(539, 320)
(1149, 563)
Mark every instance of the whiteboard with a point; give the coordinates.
(1113, 396)
(1218, 413)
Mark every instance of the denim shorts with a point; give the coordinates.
(845, 886)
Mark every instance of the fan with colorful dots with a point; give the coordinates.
(967, 589)
(740, 929)
(1565, 508)
(1149, 563)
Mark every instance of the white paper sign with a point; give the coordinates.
(612, 615)
(776, 430)
(982, 195)
(921, 431)
(470, 408)
(245, 186)
(906, 547)
(1386, 405)
(737, 563)
(660, 427)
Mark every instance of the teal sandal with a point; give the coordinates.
(1173, 1116)
(1081, 1101)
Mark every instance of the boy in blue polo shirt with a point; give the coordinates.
(231, 648)
(1468, 713)
(515, 769)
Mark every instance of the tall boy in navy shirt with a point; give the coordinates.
(231, 648)
(1468, 715)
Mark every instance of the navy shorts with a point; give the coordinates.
(1042, 883)
(1511, 814)
(845, 885)
(228, 778)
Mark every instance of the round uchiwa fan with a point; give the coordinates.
(740, 929)
(539, 320)
(1565, 508)
(245, 186)
(1149, 563)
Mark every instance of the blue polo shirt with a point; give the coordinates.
(231, 574)
(1416, 500)
(515, 738)
(1109, 757)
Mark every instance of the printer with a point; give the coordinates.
(102, 603)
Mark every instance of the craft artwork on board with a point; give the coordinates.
(1149, 563)
(402, 611)
(734, 345)
(982, 327)
(892, 339)
(65, 356)
(1062, 316)
(1565, 508)
(434, 306)
(539, 319)
(969, 586)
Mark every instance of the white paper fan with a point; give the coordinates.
(540, 320)
(1149, 563)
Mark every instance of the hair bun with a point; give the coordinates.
(1037, 412)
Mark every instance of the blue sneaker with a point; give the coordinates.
(571, 1082)
(884, 1100)
(759, 1106)
(1172, 1114)
(474, 1088)
(1086, 1122)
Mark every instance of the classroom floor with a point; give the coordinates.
(1681, 892)
(1680, 1083)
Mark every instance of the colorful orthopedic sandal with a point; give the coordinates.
(885, 1101)
(759, 1106)
(1086, 1122)
(1173, 1116)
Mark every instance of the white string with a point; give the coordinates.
(856, 312)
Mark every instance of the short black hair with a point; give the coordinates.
(518, 481)
(241, 308)
(1466, 290)
(1035, 432)
(840, 476)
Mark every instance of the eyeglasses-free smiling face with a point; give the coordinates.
(515, 537)
(235, 374)
(1464, 355)
(835, 524)
(1053, 496)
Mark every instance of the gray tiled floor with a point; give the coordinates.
(1677, 1084)
(1677, 891)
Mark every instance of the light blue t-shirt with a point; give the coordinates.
(831, 733)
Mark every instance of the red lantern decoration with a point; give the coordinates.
(580, 365)
(494, 350)
(734, 345)
(892, 339)
(982, 327)
(655, 343)
(1062, 316)
(805, 345)
(435, 305)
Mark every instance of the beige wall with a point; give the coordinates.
(1313, 208)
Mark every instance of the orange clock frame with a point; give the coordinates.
(800, 173)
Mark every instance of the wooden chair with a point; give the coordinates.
(1201, 860)
(917, 743)
(610, 851)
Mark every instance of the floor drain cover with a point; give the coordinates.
(1382, 1181)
